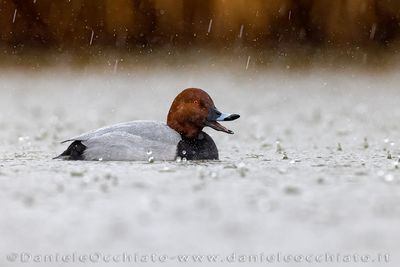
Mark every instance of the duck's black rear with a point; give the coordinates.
(73, 152)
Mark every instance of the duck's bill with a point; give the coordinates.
(216, 126)
(216, 116)
(227, 117)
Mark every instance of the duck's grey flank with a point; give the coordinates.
(135, 140)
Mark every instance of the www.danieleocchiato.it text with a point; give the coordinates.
(124, 257)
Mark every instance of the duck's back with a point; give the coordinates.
(135, 140)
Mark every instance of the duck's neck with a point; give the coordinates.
(198, 136)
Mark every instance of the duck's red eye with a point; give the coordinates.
(196, 101)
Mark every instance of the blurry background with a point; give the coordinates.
(357, 30)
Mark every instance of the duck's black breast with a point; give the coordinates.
(200, 148)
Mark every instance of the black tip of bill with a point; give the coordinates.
(231, 117)
(230, 132)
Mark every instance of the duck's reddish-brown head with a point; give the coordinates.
(192, 110)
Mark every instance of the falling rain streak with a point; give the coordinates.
(15, 15)
(115, 66)
(373, 30)
(209, 26)
(248, 61)
(91, 38)
(241, 31)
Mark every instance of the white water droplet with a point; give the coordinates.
(339, 147)
(242, 169)
(389, 178)
(366, 145)
(241, 165)
(278, 147)
(166, 169)
(396, 165)
(23, 138)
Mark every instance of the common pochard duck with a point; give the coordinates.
(182, 136)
